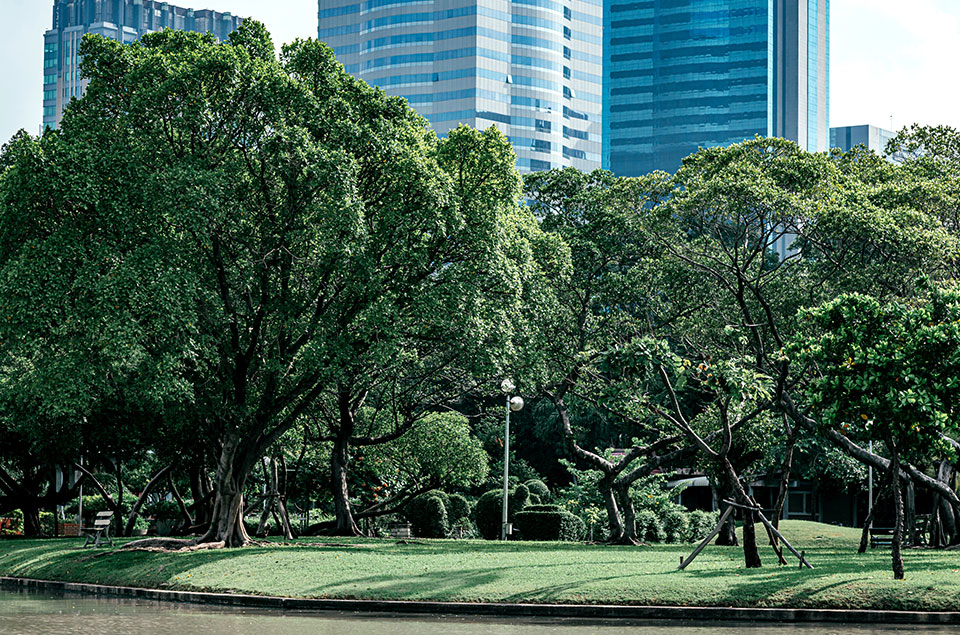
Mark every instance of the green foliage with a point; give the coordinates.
(539, 488)
(428, 515)
(163, 510)
(458, 509)
(676, 525)
(488, 513)
(888, 372)
(553, 524)
(701, 523)
(650, 526)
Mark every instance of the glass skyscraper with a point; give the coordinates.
(121, 20)
(531, 67)
(681, 74)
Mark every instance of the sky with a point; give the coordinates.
(893, 62)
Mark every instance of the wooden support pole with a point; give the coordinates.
(700, 547)
(800, 556)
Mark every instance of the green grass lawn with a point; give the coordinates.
(521, 572)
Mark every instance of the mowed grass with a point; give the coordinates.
(483, 571)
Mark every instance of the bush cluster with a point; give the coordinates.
(427, 514)
(549, 522)
(488, 513)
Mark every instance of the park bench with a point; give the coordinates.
(100, 530)
(881, 537)
(401, 530)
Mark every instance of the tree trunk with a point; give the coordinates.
(629, 526)
(31, 522)
(728, 533)
(910, 516)
(226, 524)
(132, 518)
(751, 553)
(897, 548)
(614, 522)
(339, 466)
(784, 474)
(188, 519)
(118, 516)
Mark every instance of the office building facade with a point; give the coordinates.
(533, 68)
(121, 20)
(848, 137)
(684, 74)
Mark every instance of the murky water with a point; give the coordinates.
(28, 613)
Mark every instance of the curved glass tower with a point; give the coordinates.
(533, 68)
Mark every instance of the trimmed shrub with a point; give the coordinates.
(543, 508)
(458, 509)
(488, 513)
(550, 525)
(163, 510)
(676, 525)
(534, 499)
(442, 495)
(538, 488)
(701, 523)
(649, 527)
(428, 515)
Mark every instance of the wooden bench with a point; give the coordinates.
(401, 530)
(881, 537)
(100, 530)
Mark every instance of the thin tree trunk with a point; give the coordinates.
(269, 483)
(339, 465)
(910, 515)
(132, 518)
(897, 548)
(118, 517)
(614, 522)
(784, 474)
(728, 533)
(751, 553)
(180, 502)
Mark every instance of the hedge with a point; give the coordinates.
(488, 513)
(550, 525)
(428, 515)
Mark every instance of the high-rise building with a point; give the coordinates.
(848, 137)
(121, 20)
(533, 68)
(684, 74)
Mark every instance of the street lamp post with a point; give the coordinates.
(514, 404)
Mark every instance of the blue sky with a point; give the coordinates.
(889, 58)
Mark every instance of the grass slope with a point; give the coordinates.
(521, 572)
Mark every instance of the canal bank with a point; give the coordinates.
(477, 609)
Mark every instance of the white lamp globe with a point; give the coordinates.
(516, 404)
(507, 386)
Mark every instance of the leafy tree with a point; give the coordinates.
(890, 373)
(242, 235)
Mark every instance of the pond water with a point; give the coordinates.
(29, 613)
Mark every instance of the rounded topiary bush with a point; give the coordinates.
(649, 527)
(538, 488)
(442, 495)
(428, 516)
(554, 524)
(458, 508)
(542, 508)
(700, 524)
(488, 513)
(676, 525)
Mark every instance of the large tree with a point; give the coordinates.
(890, 373)
(276, 222)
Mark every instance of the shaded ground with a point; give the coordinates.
(521, 572)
